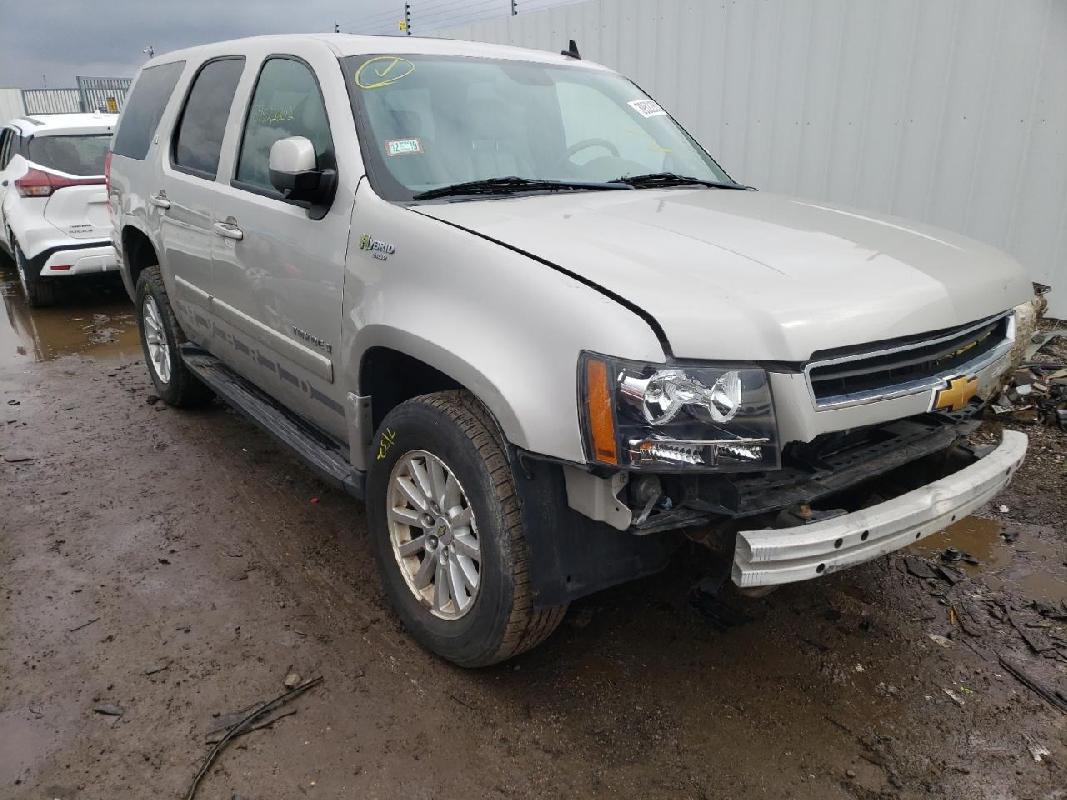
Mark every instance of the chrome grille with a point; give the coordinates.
(911, 364)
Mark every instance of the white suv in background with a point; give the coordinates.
(53, 202)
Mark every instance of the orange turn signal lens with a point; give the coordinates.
(598, 408)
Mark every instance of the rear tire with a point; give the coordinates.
(40, 292)
(161, 340)
(494, 620)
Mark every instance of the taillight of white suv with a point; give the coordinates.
(39, 183)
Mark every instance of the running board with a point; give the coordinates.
(324, 454)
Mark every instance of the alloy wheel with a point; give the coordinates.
(433, 534)
(156, 339)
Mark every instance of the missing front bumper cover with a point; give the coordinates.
(771, 556)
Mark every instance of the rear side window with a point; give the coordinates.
(198, 141)
(76, 155)
(287, 102)
(144, 108)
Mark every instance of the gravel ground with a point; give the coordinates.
(170, 568)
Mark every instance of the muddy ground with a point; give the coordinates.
(170, 568)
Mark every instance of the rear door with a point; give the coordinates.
(279, 285)
(186, 196)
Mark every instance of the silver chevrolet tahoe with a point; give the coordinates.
(504, 298)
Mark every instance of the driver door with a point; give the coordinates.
(278, 273)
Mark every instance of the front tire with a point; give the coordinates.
(447, 532)
(161, 338)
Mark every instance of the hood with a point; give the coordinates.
(741, 275)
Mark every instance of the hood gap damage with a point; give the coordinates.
(657, 329)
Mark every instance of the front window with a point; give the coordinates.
(287, 102)
(428, 122)
(75, 155)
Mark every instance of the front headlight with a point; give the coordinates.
(678, 417)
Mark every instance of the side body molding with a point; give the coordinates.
(315, 363)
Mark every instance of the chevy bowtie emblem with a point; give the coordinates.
(956, 394)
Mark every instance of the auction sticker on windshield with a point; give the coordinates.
(402, 147)
(381, 71)
(647, 108)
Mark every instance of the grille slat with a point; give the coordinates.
(879, 370)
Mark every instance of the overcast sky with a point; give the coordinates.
(64, 38)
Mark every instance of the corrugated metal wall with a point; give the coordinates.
(953, 112)
(10, 104)
(52, 101)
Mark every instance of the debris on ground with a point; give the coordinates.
(244, 725)
(226, 721)
(109, 710)
(1037, 750)
(1055, 696)
(707, 598)
(955, 698)
(1036, 393)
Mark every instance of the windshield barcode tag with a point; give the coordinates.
(647, 108)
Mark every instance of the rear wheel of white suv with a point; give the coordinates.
(161, 336)
(39, 292)
(447, 532)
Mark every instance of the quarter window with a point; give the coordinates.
(143, 110)
(286, 102)
(198, 142)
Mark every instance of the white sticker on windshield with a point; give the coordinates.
(402, 147)
(647, 108)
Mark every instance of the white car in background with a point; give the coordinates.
(53, 202)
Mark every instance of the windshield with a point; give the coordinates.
(75, 155)
(427, 122)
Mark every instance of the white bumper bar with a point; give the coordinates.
(81, 261)
(785, 555)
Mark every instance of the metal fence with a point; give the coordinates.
(105, 94)
(91, 94)
(51, 101)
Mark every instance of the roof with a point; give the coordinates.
(49, 124)
(344, 44)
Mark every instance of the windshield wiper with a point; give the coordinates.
(655, 180)
(510, 184)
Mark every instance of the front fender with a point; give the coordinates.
(506, 327)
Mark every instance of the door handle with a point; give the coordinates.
(228, 230)
(160, 201)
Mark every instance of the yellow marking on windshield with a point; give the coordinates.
(386, 70)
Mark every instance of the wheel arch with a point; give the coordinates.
(396, 365)
(137, 253)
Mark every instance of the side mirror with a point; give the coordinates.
(294, 172)
(292, 165)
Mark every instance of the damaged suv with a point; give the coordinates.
(502, 296)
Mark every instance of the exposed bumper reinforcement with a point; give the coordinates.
(784, 555)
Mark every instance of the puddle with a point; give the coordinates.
(1031, 565)
(979, 537)
(94, 317)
